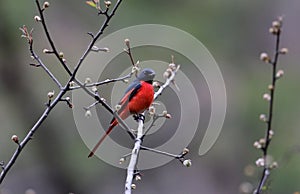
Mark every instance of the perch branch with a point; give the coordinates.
(139, 139)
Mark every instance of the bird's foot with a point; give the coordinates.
(138, 117)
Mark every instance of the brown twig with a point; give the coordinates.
(63, 89)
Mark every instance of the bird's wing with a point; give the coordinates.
(131, 91)
(129, 95)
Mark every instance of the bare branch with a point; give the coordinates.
(140, 135)
(264, 146)
(63, 90)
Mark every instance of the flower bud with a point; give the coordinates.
(61, 55)
(267, 97)
(118, 107)
(279, 73)
(274, 165)
(263, 117)
(151, 111)
(72, 83)
(46, 5)
(276, 24)
(138, 178)
(94, 89)
(273, 30)
(262, 141)
(185, 151)
(15, 139)
(133, 186)
(37, 18)
(172, 66)
(271, 133)
(107, 3)
(165, 113)
(134, 69)
(265, 57)
(168, 116)
(46, 51)
(270, 87)
(156, 84)
(50, 94)
(284, 51)
(105, 49)
(127, 42)
(121, 160)
(257, 145)
(187, 163)
(260, 162)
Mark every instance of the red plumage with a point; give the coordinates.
(135, 101)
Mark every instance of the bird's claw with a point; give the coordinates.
(138, 117)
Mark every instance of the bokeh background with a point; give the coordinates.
(235, 32)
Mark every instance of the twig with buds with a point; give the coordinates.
(172, 70)
(263, 143)
(63, 89)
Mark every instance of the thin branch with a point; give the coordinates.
(129, 53)
(96, 37)
(55, 52)
(140, 135)
(134, 157)
(167, 83)
(41, 64)
(63, 90)
(107, 81)
(161, 152)
(29, 136)
(276, 30)
(126, 127)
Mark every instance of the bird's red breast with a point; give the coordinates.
(143, 98)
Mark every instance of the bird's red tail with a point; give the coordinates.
(112, 125)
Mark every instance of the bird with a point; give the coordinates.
(138, 97)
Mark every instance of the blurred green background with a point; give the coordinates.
(235, 32)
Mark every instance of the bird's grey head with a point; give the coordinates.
(147, 75)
